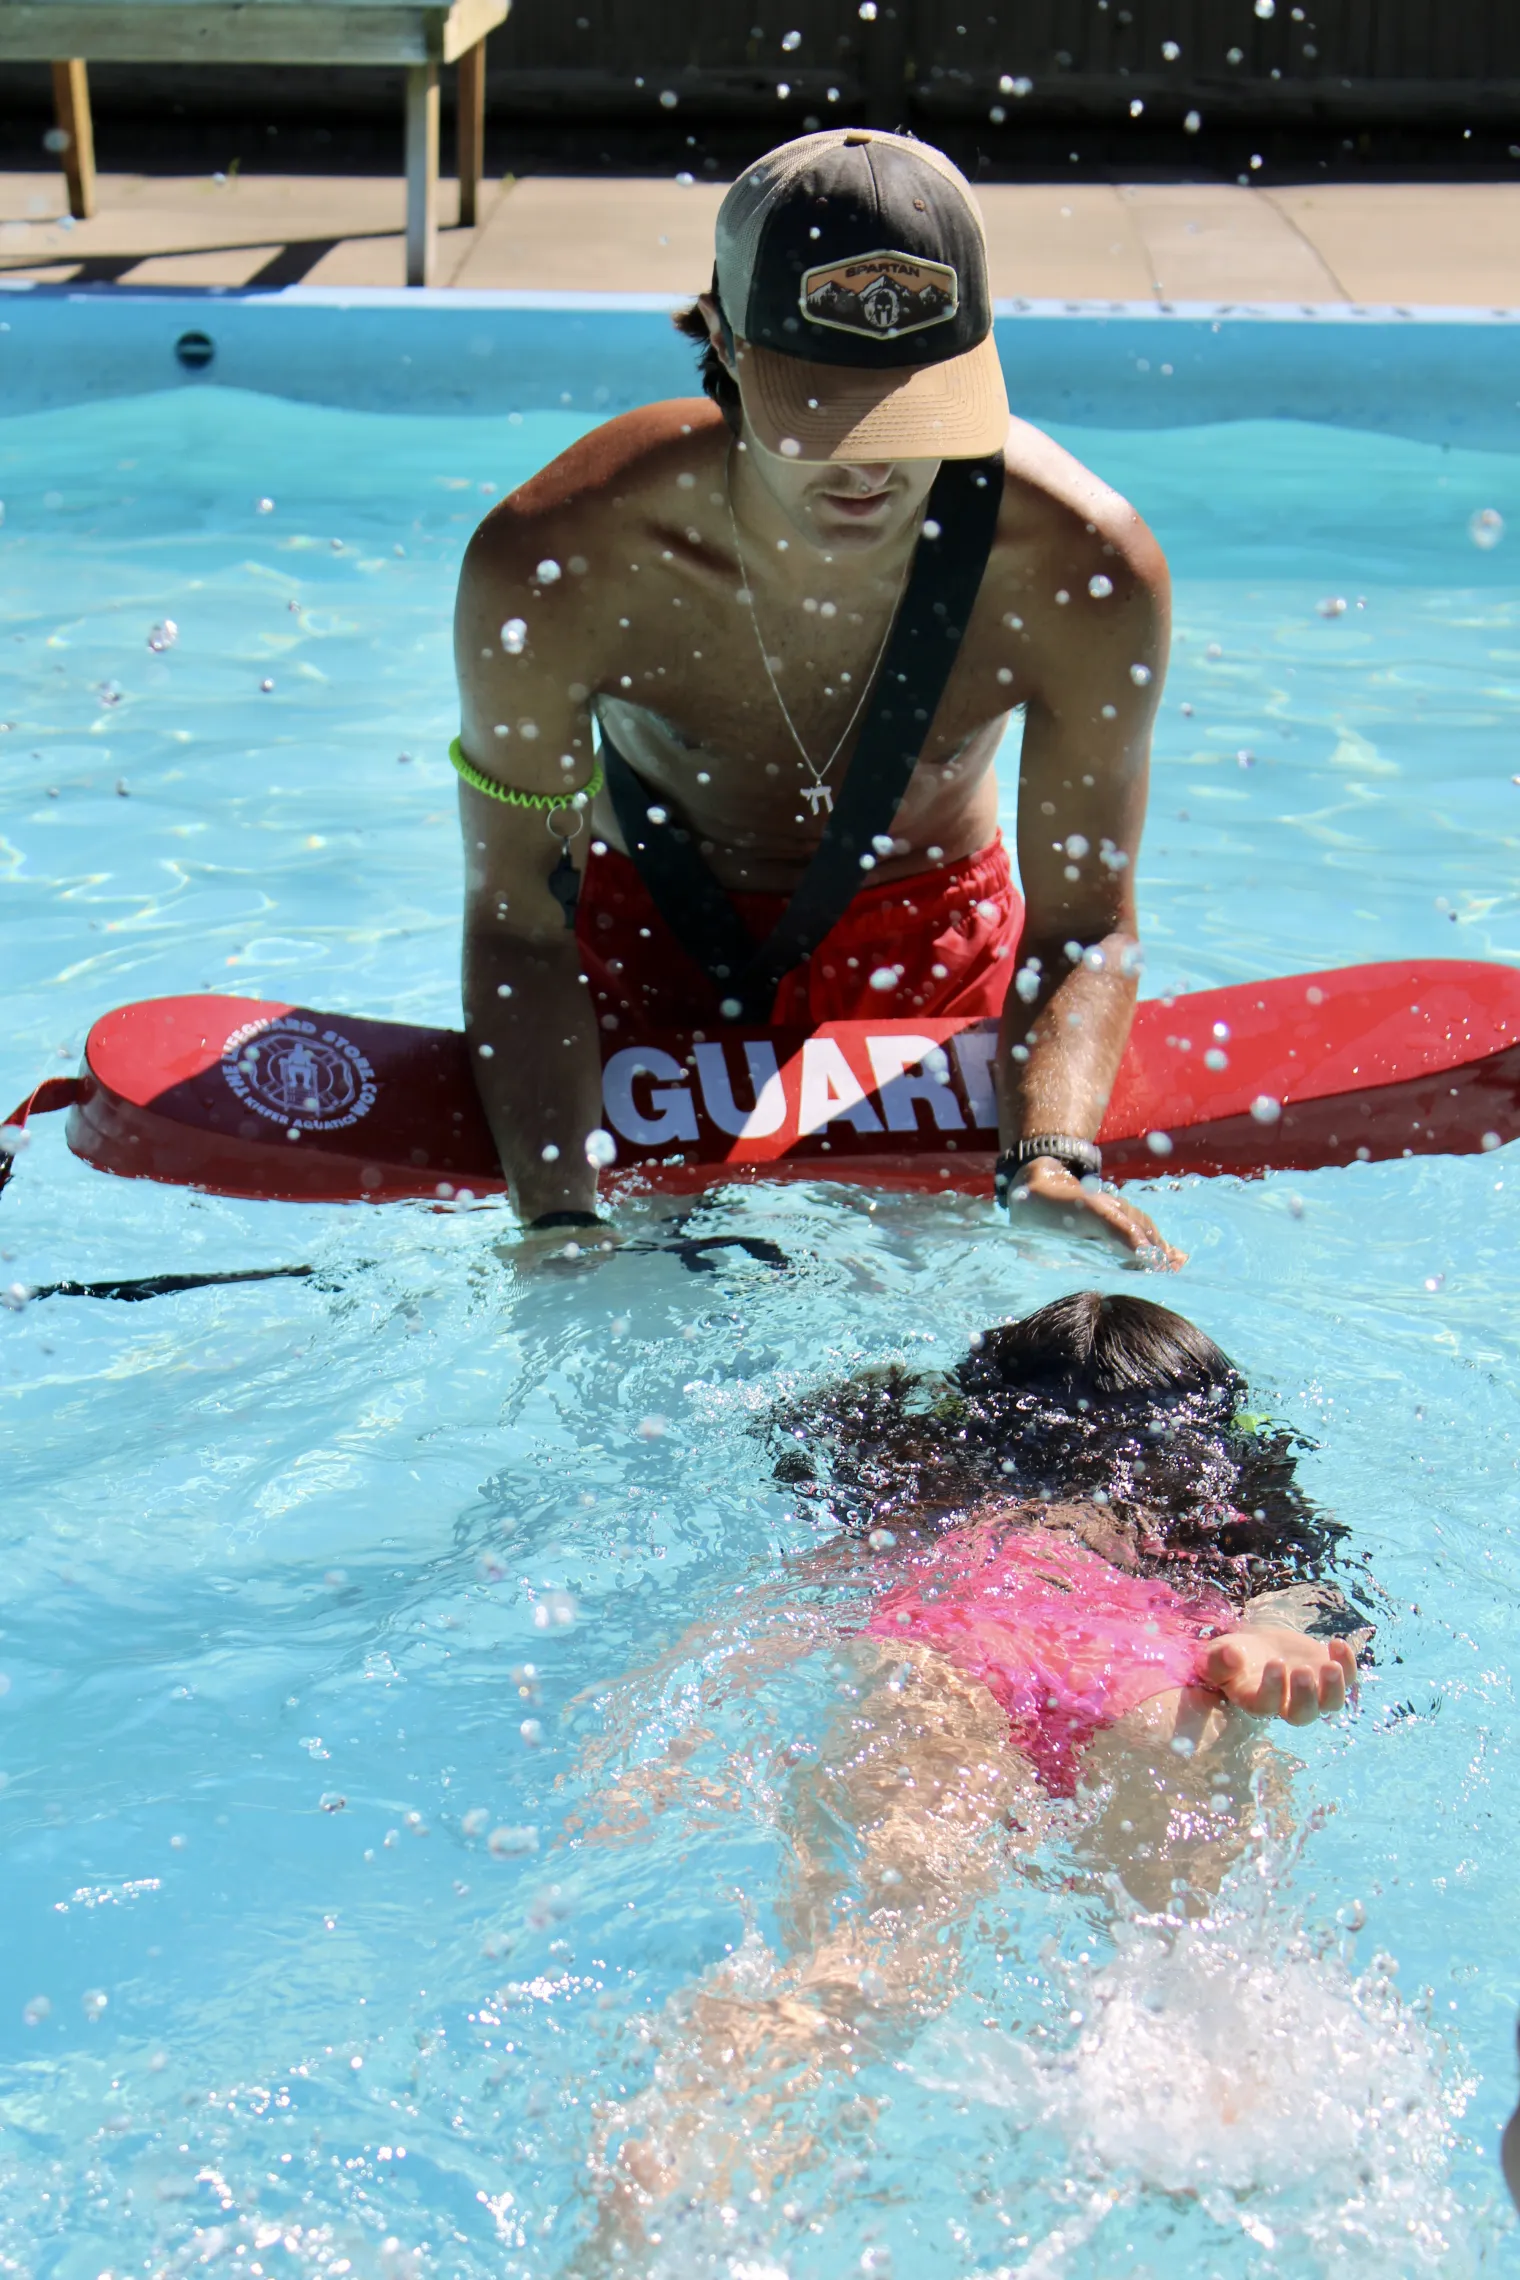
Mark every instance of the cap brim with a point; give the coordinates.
(954, 410)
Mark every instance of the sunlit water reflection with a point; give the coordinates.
(315, 1960)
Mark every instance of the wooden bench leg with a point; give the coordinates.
(421, 172)
(71, 102)
(471, 132)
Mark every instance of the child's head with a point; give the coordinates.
(1123, 1402)
(1097, 1349)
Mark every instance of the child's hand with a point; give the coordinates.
(1280, 1674)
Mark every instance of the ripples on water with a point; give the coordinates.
(330, 1966)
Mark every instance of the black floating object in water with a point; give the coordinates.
(692, 1251)
(161, 1286)
(195, 350)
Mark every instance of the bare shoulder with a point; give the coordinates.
(1055, 506)
(602, 482)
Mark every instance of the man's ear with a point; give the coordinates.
(720, 332)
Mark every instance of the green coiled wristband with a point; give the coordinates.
(544, 802)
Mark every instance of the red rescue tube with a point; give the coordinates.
(241, 1096)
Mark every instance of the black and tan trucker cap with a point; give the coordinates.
(852, 267)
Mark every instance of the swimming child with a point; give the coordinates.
(1091, 1522)
(1066, 1581)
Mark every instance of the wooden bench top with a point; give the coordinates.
(246, 31)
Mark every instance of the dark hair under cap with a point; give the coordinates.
(1100, 1347)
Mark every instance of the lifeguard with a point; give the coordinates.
(733, 673)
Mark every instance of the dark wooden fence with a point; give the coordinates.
(920, 60)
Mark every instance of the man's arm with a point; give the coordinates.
(1092, 667)
(528, 1015)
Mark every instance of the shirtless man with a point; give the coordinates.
(714, 584)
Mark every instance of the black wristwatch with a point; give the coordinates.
(1082, 1158)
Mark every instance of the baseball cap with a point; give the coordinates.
(852, 266)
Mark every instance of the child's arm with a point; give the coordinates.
(1276, 1673)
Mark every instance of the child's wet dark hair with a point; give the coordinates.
(1101, 1349)
(1113, 1401)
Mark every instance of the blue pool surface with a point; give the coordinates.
(324, 1951)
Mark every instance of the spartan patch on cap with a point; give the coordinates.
(880, 294)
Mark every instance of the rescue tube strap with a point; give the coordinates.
(960, 521)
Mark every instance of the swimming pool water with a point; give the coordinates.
(273, 1996)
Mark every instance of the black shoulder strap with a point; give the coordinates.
(960, 522)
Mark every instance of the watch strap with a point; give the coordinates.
(1082, 1158)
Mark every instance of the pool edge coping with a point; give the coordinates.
(550, 301)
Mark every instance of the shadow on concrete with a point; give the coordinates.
(290, 264)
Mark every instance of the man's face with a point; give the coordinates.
(840, 508)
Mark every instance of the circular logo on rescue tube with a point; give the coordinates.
(297, 1074)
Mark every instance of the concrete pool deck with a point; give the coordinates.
(1427, 244)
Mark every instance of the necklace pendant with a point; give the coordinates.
(816, 794)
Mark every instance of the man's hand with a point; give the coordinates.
(1047, 1192)
(1280, 1674)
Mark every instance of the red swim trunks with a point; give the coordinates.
(947, 938)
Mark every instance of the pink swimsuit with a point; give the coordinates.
(1063, 1641)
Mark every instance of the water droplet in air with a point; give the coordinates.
(1136, 107)
(1159, 1143)
(686, 181)
(1486, 528)
(791, 41)
(867, 11)
(1192, 122)
(1170, 51)
(548, 571)
(790, 447)
(1266, 1109)
(511, 1844)
(1266, 10)
(34, 2012)
(514, 636)
(163, 635)
(1140, 675)
(532, 1732)
(1333, 606)
(554, 1612)
(1100, 587)
(263, 506)
(668, 99)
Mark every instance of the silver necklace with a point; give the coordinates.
(819, 793)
